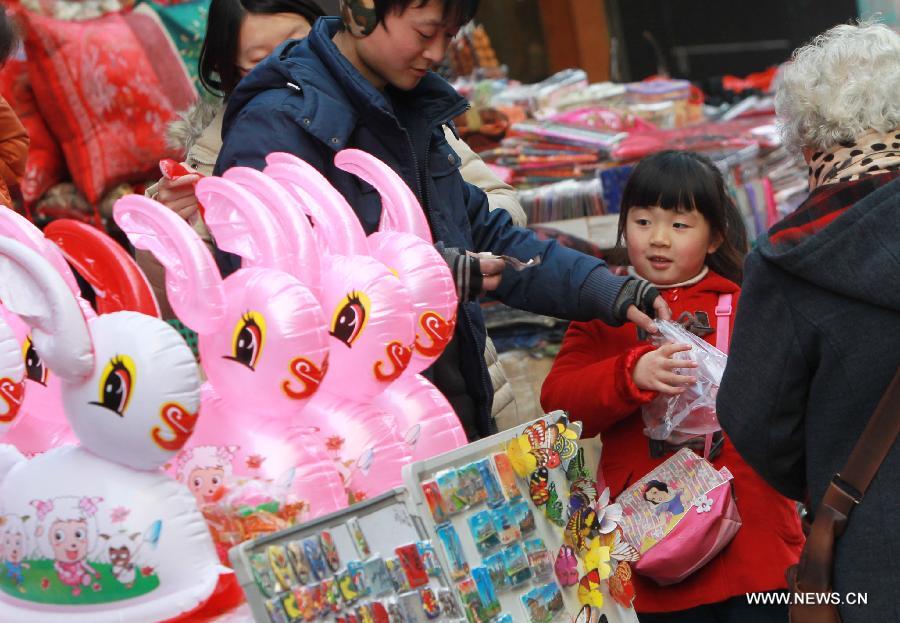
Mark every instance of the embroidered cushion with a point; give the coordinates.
(107, 88)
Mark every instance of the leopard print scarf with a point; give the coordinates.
(871, 153)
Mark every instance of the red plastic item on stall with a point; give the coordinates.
(113, 274)
(172, 170)
(227, 595)
(761, 80)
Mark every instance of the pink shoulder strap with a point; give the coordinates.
(723, 322)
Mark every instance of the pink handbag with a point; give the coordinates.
(679, 517)
(694, 541)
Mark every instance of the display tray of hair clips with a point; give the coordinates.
(369, 563)
(521, 529)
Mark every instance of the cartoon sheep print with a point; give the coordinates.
(206, 470)
(60, 556)
(67, 533)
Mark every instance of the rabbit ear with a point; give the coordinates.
(337, 223)
(115, 277)
(193, 284)
(400, 209)
(295, 226)
(19, 228)
(33, 289)
(241, 224)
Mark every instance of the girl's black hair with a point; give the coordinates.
(218, 56)
(686, 180)
(456, 12)
(9, 37)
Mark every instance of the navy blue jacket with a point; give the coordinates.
(308, 100)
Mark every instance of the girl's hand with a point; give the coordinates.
(655, 370)
(178, 195)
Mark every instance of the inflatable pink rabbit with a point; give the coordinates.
(46, 427)
(371, 329)
(12, 378)
(403, 243)
(131, 389)
(263, 347)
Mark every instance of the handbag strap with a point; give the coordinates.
(847, 489)
(872, 448)
(723, 322)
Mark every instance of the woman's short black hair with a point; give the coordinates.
(218, 57)
(9, 37)
(456, 12)
(686, 180)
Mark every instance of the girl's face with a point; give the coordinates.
(262, 33)
(402, 49)
(656, 496)
(207, 484)
(666, 246)
(69, 540)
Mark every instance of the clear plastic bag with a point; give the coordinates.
(693, 412)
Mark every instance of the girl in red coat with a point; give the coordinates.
(684, 234)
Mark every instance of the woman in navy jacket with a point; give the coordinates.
(364, 82)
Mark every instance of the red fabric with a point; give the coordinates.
(107, 88)
(45, 166)
(592, 380)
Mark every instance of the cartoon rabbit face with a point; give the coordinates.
(130, 385)
(403, 242)
(263, 338)
(275, 352)
(140, 404)
(370, 324)
(368, 310)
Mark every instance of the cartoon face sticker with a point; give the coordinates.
(69, 540)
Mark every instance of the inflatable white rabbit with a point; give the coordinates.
(130, 388)
(263, 346)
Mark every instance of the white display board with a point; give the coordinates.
(496, 582)
(512, 599)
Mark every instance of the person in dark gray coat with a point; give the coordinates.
(817, 336)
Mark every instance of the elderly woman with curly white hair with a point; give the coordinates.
(817, 338)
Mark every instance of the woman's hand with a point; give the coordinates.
(655, 370)
(178, 195)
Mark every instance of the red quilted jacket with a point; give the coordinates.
(592, 380)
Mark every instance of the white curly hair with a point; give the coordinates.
(844, 83)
